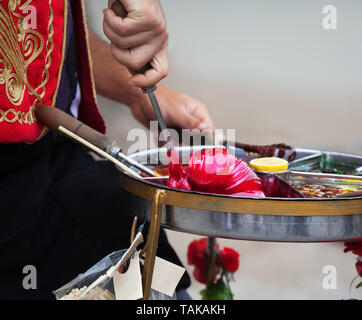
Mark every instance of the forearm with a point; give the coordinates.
(111, 78)
(179, 110)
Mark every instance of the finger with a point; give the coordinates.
(119, 26)
(199, 111)
(127, 42)
(187, 121)
(132, 25)
(205, 121)
(159, 71)
(180, 118)
(136, 58)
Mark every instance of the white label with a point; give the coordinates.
(128, 286)
(166, 276)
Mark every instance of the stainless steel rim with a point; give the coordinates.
(259, 227)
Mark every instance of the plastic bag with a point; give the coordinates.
(105, 291)
(156, 295)
(215, 171)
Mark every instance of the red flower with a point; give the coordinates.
(359, 267)
(201, 271)
(197, 251)
(200, 275)
(197, 255)
(230, 259)
(354, 246)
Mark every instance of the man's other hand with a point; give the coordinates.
(141, 37)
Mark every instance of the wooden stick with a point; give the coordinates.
(133, 230)
(99, 151)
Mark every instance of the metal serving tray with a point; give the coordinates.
(324, 162)
(267, 219)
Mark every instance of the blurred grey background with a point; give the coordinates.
(266, 68)
(271, 71)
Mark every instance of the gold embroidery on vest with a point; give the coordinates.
(50, 48)
(14, 62)
(12, 116)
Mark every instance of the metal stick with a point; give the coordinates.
(212, 261)
(137, 164)
(161, 120)
(99, 151)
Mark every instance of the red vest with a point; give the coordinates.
(31, 63)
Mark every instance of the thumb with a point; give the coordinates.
(184, 120)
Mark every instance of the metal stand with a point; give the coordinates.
(212, 261)
(152, 241)
(220, 208)
(151, 246)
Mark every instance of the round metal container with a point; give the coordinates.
(267, 219)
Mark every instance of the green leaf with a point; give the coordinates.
(359, 285)
(218, 291)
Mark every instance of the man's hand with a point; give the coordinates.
(138, 39)
(179, 110)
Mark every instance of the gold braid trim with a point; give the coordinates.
(11, 116)
(12, 57)
(45, 129)
(50, 48)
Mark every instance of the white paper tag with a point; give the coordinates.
(166, 276)
(128, 286)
